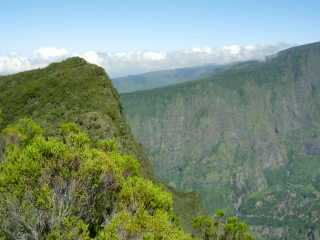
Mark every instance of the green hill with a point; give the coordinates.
(74, 92)
(70, 91)
(162, 78)
(247, 139)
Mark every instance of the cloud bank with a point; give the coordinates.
(126, 63)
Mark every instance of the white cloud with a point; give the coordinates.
(250, 47)
(48, 53)
(205, 50)
(92, 57)
(134, 62)
(233, 49)
(14, 63)
(154, 56)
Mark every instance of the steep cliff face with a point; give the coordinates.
(246, 139)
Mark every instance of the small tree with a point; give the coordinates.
(220, 227)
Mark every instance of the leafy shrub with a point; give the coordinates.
(68, 187)
(221, 227)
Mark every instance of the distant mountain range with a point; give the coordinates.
(246, 138)
(162, 78)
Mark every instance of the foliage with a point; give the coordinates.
(64, 183)
(221, 227)
(142, 225)
(69, 229)
(1, 116)
(77, 92)
(139, 193)
(70, 91)
(69, 187)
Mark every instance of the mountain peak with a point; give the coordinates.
(70, 62)
(75, 60)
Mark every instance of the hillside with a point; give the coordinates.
(162, 78)
(246, 139)
(81, 93)
(73, 91)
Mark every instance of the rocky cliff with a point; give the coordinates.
(247, 139)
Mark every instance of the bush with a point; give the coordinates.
(221, 227)
(67, 187)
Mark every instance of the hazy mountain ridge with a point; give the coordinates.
(246, 139)
(162, 78)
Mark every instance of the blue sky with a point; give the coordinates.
(129, 37)
(156, 25)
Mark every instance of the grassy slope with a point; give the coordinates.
(246, 139)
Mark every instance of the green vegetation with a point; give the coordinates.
(220, 227)
(68, 186)
(246, 139)
(76, 91)
(81, 175)
(70, 91)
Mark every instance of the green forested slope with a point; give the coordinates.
(70, 91)
(246, 139)
(71, 172)
(74, 91)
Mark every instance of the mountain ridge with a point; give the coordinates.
(161, 78)
(235, 136)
